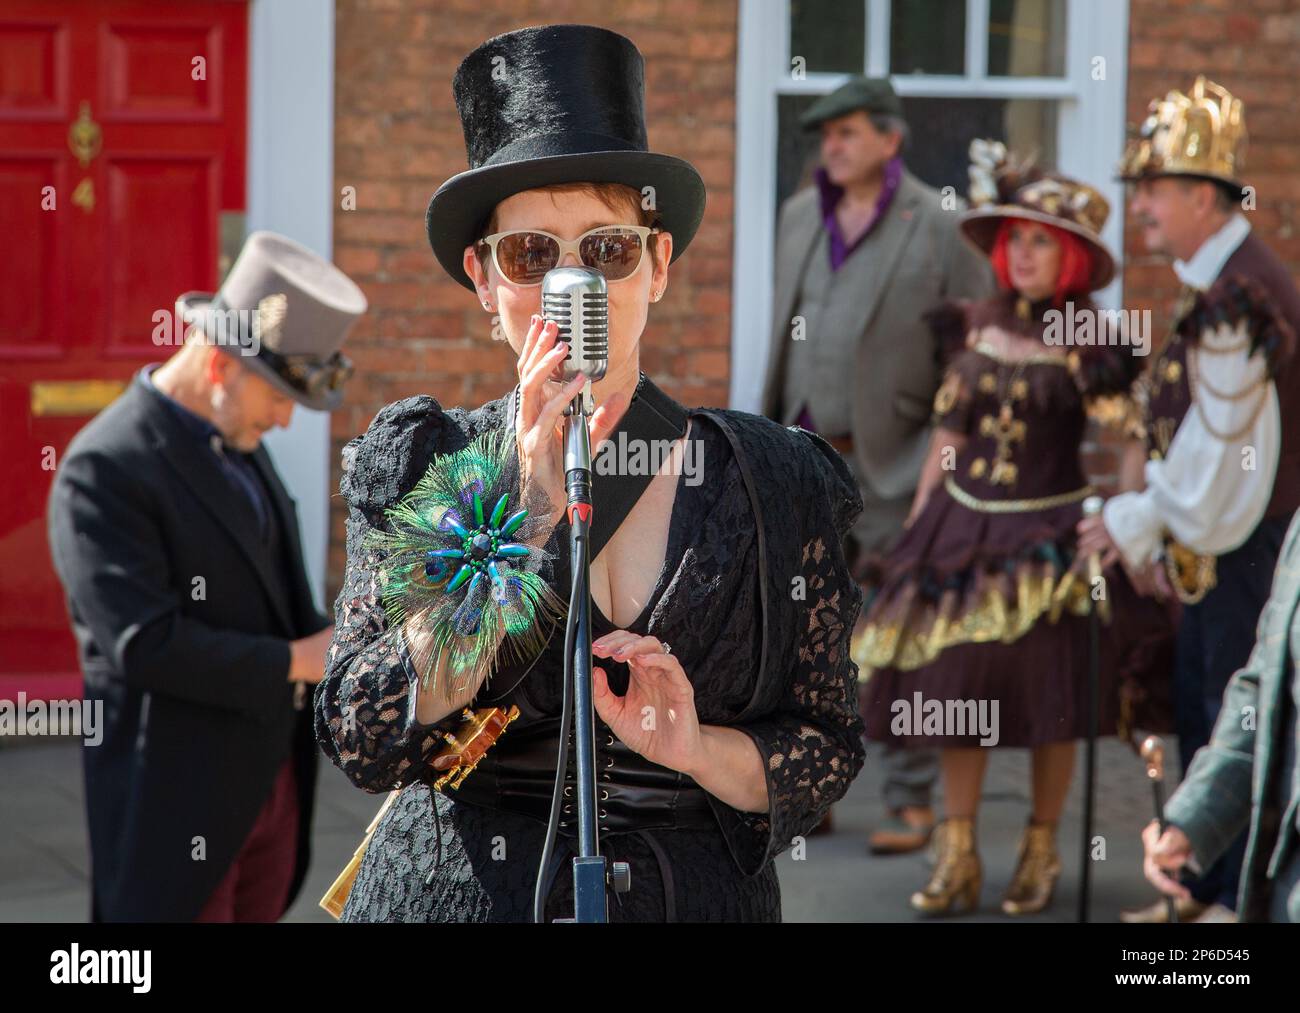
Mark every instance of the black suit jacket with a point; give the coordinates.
(198, 710)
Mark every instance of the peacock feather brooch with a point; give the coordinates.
(460, 576)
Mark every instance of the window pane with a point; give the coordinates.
(830, 35)
(797, 152)
(927, 37)
(941, 128)
(1027, 38)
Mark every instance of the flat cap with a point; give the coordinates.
(870, 94)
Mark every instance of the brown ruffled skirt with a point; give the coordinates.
(983, 614)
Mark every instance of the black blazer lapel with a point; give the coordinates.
(227, 506)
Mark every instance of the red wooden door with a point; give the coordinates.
(122, 139)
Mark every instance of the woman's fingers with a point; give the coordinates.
(532, 389)
(644, 645)
(609, 705)
(662, 666)
(540, 371)
(619, 643)
(550, 413)
(543, 334)
(612, 641)
(530, 339)
(542, 344)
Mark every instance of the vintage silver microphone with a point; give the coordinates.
(577, 299)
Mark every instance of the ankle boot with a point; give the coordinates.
(1036, 871)
(954, 886)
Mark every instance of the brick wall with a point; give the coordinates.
(398, 136)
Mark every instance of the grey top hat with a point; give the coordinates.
(285, 312)
(870, 94)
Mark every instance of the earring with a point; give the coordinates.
(656, 297)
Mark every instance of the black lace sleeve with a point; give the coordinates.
(812, 746)
(365, 705)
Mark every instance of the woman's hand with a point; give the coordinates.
(656, 718)
(542, 401)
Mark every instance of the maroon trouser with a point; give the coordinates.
(256, 885)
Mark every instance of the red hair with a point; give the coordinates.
(1076, 260)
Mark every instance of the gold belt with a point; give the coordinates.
(1013, 506)
(1191, 574)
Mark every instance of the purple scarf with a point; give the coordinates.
(831, 195)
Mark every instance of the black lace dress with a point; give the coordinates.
(435, 858)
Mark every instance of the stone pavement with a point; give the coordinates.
(44, 855)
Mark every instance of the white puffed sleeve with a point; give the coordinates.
(1210, 491)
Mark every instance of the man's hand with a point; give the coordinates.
(307, 657)
(1150, 581)
(1093, 537)
(1168, 851)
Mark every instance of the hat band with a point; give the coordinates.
(575, 142)
(312, 374)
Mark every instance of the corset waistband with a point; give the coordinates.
(518, 775)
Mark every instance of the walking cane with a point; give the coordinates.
(1091, 508)
(1153, 752)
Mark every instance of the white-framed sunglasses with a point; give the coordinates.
(523, 256)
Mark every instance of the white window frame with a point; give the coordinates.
(291, 191)
(1089, 137)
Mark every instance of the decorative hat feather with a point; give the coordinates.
(996, 174)
(460, 582)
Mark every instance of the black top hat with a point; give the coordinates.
(554, 104)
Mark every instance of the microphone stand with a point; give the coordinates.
(590, 901)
